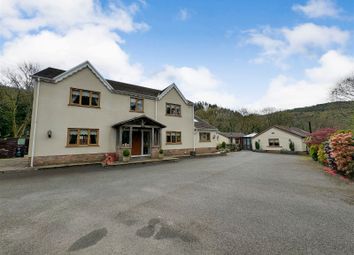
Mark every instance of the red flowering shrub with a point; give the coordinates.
(319, 136)
(342, 150)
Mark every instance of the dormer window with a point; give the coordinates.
(136, 104)
(87, 98)
(173, 110)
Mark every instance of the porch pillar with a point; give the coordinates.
(130, 136)
(152, 137)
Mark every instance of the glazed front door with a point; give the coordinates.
(136, 143)
(146, 142)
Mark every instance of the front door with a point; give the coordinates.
(136, 143)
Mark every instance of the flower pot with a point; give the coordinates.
(126, 159)
(161, 156)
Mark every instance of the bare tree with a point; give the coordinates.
(344, 90)
(19, 96)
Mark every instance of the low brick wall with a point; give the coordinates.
(186, 152)
(98, 157)
(67, 159)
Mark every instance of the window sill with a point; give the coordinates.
(205, 141)
(136, 111)
(172, 115)
(85, 106)
(80, 146)
(274, 146)
(173, 143)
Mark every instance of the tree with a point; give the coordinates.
(16, 96)
(344, 90)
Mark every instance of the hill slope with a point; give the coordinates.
(338, 115)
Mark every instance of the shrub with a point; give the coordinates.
(231, 147)
(126, 153)
(313, 152)
(223, 145)
(322, 156)
(319, 136)
(291, 145)
(258, 146)
(161, 151)
(342, 150)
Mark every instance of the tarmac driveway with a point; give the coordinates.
(245, 203)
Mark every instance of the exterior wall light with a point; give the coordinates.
(49, 133)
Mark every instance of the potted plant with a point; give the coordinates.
(126, 155)
(161, 153)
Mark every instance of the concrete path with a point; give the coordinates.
(245, 203)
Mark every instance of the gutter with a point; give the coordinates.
(35, 113)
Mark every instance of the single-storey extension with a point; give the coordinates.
(279, 138)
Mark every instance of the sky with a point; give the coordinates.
(234, 53)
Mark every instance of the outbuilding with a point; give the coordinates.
(279, 138)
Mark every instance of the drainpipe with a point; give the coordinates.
(194, 131)
(35, 122)
(156, 109)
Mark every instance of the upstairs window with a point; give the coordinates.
(82, 137)
(136, 104)
(87, 98)
(173, 109)
(273, 142)
(204, 137)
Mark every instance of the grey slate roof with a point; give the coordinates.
(126, 87)
(292, 130)
(50, 73)
(202, 124)
(232, 134)
(295, 131)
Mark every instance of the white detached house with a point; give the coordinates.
(79, 116)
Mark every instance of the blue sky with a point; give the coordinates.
(281, 54)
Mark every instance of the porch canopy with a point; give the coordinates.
(141, 121)
(141, 134)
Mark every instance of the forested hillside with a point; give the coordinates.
(338, 115)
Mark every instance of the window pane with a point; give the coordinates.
(178, 110)
(132, 104)
(73, 137)
(83, 136)
(85, 99)
(168, 137)
(156, 137)
(93, 137)
(173, 137)
(178, 137)
(140, 105)
(168, 109)
(173, 110)
(95, 99)
(75, 96)
(125, 137)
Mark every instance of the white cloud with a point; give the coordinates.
(77, 45)
(183, 14)
(22, 16)
(197, 84)
(307, 39)
(318, 8)
(285, 92)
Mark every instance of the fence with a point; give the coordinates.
(12, 147)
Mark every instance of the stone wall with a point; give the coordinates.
(67, 159)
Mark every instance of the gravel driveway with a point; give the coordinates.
(245, 203)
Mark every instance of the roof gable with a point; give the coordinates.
(171, 87)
